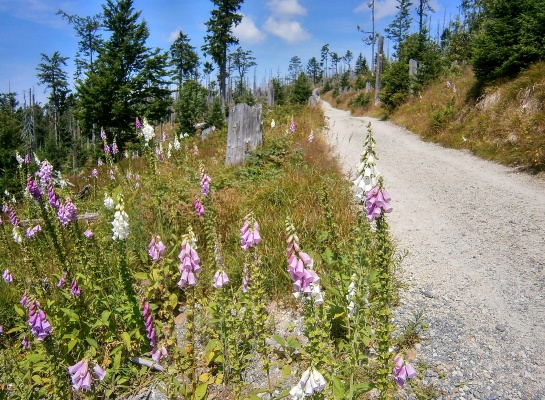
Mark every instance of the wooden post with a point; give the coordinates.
(380, 55)
(244, 133)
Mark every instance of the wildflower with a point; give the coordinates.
(52, 198)
(62, 281)
(115, 150)
(156, 248)
(74, 288)
(189, 265)
(25, 342)
(120, 224)
(158, 353)
(377, 201)
(27, 159)
(19, 159)
(311, 136)
(45, 172)
(199, 208)
(195, 150)
(16, 236)
(169, 150)
(31, 232)
(136, 185)
(24, 301)
(39, 325)
(12, 216)
(205, 183)
(137, 123)
(106, 148)
(80, 375)
(34, 189)
(6, 276)
(402, 371)
(148, 321)
(102, 134)
(148, 132)
(220, 279)
(109, 202)
(94, 173)
(88, 234)
(292, 125)
(273, 123)
(1, 329)
(311, 382)
(249, 233)
(112, 176)
(99, 372)
(100, 163)
(67, 212)
(176, 143)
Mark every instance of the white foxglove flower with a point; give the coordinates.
(109, 203)
(273, 123)
(19, 159)
(311, 382)
(317, 294)
(318, 379)
(297, 393)
(169, 150)
(148, 132)
(17, 236)
(120, 224)
(176, 143)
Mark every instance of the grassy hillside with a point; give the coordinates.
(506, 123)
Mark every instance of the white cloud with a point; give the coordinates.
(286, 7)
(383, 8)
(173, 36)
(288, 30)
(247, 32)
(37, 11)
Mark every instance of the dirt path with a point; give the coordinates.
(475, 236)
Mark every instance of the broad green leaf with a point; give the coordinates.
(105, 317)
(280, 340)
(200, 391)
(19, 310)
(141, 275)
(92, 342)
(117, 360)
(286, 371)
(71, 344)
(126, 339)
(338, 388)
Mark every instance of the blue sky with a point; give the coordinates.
(274, 30)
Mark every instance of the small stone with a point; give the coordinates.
(500, 327)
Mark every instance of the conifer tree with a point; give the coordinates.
(184, 59)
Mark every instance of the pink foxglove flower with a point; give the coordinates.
(220, 279)
(6, 276)
(402, 371)
(34, 189)
(39, 325)
(102, 134)
(52, 198)
(74, 288)
(67, 212)
(25, 343)
(156, 248)
(245, 280)
(376, 202)
(148, 321)
(80, 375)
(199, 208)
(115, 150)
(99, 163)
(112, 176)
(137, 123)
(31, 232)
(292, 125)
(311, 136)
(24, 301)
(205, 183)
(62, 281)
(88, 234)
(249, 233)
(45, 173)
(100, 374)
(158, 353)
(106, 148)
(189, 266)
(94, 173)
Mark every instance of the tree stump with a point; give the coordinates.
(244, 133)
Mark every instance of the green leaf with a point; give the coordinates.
(141, 275)
(19, 310)
(338, 388)
(71, 344)
(286, 371)
(117, 360)
(282, 395)
(92, 342)
(280, 340)
(127, 340)
(200, 391)
(322, 236)
(70, 314)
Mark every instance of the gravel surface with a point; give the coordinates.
(474, 232)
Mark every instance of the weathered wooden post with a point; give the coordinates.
(244, 132)
(380, 55)
(367, 87)
(270, 95)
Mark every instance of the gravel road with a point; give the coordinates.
(474, 232)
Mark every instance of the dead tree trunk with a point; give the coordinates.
(244, 132)
(380, 55)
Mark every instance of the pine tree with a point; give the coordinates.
(398, 30)
(313, 70)
(241, 61)
(184, 59)
(219, 28)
